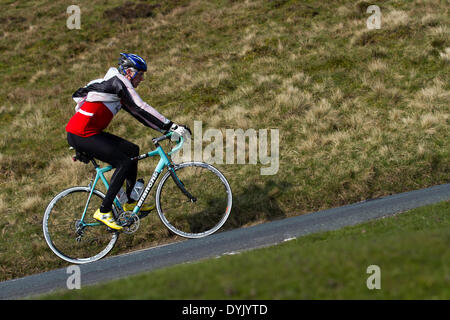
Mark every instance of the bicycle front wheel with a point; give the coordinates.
(199, 217)
(72, 238)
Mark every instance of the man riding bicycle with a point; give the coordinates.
(97, 103)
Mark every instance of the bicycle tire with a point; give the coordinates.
(207, 214)
(61, 243)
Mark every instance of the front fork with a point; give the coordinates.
(180, 184)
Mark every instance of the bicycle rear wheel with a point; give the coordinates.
(209, 211)
(70, 238)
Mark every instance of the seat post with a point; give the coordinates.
(94, 163)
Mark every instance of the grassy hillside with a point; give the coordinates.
(410, 250)
(361, 113)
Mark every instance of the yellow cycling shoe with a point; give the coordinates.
(108, 219)
(130, 206)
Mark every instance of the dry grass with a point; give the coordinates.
(361, 113)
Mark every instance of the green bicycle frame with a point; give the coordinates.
(163, 162)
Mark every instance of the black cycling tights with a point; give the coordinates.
(117, 152)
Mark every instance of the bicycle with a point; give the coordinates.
(194, 203)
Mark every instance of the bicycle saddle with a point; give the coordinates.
(82, 156)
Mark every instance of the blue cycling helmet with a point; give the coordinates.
(130, 60)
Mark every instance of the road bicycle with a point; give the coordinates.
(193, 200)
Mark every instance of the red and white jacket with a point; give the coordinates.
(100, 100)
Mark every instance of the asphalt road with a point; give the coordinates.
(224, 242)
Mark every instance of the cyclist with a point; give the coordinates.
(97, 103)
